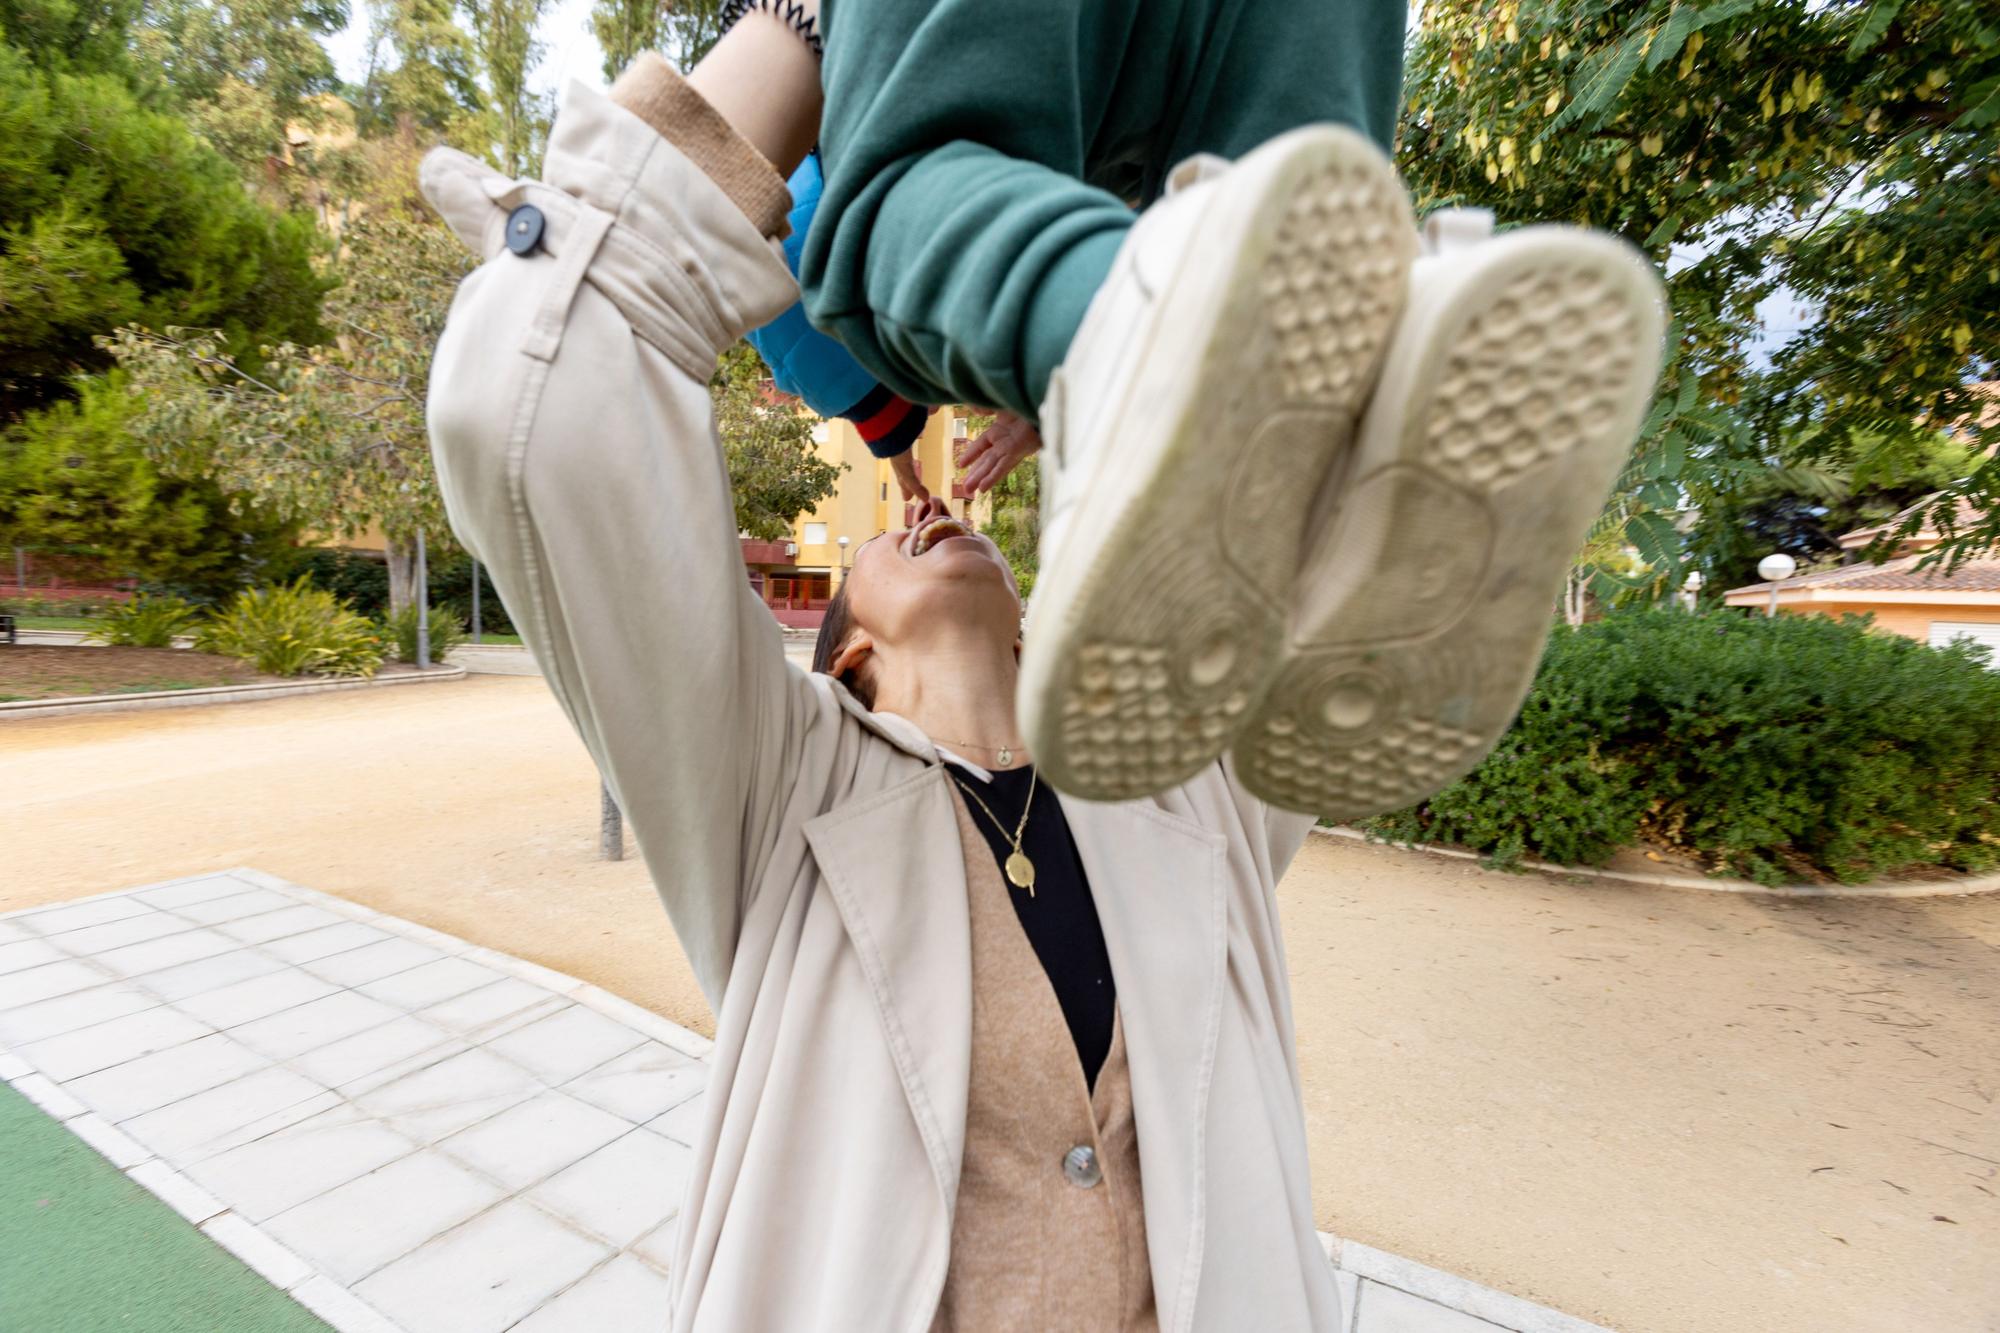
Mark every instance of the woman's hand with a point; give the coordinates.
(904, 465)
(1000, 449)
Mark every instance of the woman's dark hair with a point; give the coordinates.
(833, 635)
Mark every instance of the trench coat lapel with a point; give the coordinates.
(1159, 888)
(893, 864)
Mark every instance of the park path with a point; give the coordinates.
(1661, 1111)
(407, 1132)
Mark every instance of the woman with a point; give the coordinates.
(900, 1133)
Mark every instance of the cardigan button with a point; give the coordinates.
(1080, 1166)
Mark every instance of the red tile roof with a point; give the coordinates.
(1900, 575)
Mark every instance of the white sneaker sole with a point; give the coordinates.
(1159, 623)
(1507, 408)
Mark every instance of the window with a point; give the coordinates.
(1945, 632)
(885, 491)
(958, 428)
(819, 432)
(815, 534)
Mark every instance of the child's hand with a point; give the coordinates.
(999, 449)
(904, 465)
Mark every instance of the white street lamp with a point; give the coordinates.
(1691, 589)
(1774, 569)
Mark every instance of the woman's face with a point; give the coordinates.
(905, 583)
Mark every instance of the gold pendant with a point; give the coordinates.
(1021, 872)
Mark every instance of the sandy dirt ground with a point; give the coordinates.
(1664, 1111)
(30, 671)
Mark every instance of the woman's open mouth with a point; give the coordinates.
(935, 531)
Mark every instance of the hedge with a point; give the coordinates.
(1794, 747)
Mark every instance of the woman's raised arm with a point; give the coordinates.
(574, 439)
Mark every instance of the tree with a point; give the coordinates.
(503, 36)
(244, 72)
(1803, 508)
(775, 474)
(330, 436)
(113, 213)
(1840, 149)
(422, 71)
(71, 477)
(625, 29)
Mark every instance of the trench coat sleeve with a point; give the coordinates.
(593, 486)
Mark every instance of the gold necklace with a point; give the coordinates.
(1020, 870)
(1003, 755)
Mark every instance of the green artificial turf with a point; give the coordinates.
(85, 1250)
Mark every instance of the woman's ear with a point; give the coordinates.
(852, 654)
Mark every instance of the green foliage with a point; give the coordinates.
(451, 588)
(71, 477)
(1016, 523)
(503, 37)
(244, 71)
(421, 69)
(1792, 747)
(625, 29)
(1803, 508)
(291, 629)
(360, 582)
(775, 473)
(1844, 150)
(446, 632)
(331, 436)
(144, 622)
(115, 212)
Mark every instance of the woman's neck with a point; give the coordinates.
(961, 693)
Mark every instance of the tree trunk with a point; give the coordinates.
(1573, 598)
(402, 559)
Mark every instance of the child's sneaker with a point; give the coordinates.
(1215, 381)
(1509, 400)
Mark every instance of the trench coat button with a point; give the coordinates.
(524, 229)
(1080, 1166)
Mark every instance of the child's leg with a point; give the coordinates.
(963, 232)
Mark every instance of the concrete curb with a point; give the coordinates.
(1941, 889)
(218, 694)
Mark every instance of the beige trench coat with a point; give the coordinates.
(806, 849)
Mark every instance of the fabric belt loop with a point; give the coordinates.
(580, 242)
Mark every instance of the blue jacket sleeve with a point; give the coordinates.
(804, 361)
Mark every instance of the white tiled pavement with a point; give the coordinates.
(409, 1133)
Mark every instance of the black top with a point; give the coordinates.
(1061, 919)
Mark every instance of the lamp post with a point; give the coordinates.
(1774, 569)
(842, 541)
(1691, 589)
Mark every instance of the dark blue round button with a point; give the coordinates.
(524, 229)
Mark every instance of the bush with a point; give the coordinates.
(451, 585)
(144, 622)
(291, 629)
(360, 581)
(33, 604)
(1783, 748)
(445, 632)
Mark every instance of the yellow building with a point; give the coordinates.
(797, 576)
